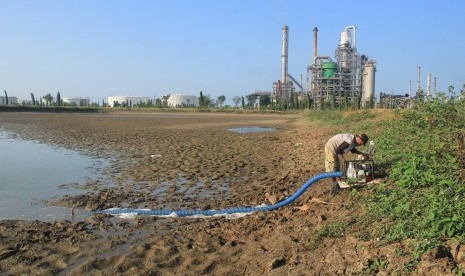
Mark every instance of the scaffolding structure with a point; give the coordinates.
(282, 91)
(348, 81)
(394, 101)
(348, 62)
(337, 83)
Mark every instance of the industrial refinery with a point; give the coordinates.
(347, 80)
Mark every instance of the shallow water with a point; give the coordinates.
(251, 129)
(31, 173)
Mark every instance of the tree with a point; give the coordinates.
(207, 101)
(158, 102)
(243, 102)
(165, 100)
(48, 99)
(33, 99)
(346, 101)
(332, 100)
(296, 100)
(221, 100)
(309, 101)
(201, 100)
(462, 93)
(251, 98)
(265, 100)
(291, 101)
(6, 98)
(58, 99)
(451, 90)
(236, 100)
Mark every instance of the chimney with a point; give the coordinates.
(315, 44)
(418, 82)
(284, 54)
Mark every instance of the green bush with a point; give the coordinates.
(34, 108)
(423, 198)
(338, 117)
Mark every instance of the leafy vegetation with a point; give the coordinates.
(421, 157)
(423, 198)
(374, 266)
(331, 230)
(340, 117)
(31, 108)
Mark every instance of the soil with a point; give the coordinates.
(182, 160)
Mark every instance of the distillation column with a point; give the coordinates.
(368, 84)
(349, 66)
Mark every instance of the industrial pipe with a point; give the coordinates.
(355, 34)
(248, 209)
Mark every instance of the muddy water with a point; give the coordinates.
(32, 174)
(251, 129)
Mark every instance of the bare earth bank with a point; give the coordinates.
(191, 161)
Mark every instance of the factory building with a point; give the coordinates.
(348, 80)
(76, 101)
(126, 100)
(10, 100)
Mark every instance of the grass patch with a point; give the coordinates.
(423, 197)
(331, 230)
(421, 155)
(350, 118)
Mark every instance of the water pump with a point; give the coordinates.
(361, 171)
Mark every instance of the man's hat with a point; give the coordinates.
(364, 138)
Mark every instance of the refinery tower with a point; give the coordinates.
(346, 81)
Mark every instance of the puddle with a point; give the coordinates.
(33, 173)
(251, 129)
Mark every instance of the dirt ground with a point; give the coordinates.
(180, 160)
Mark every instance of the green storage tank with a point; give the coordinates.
(329, 68)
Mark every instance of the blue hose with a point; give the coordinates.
(185, 213)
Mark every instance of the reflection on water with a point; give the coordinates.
(251, 129)
(31, 173)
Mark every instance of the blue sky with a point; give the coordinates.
(151, 48)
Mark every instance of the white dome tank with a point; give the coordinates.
(345, 38)
(179, 100)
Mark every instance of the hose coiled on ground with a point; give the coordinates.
(235, 210)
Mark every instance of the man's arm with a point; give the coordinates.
(354, 150)
(340, 151)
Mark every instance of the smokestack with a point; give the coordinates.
(418, 82)
(434, 87)
(315, 43)
(284, 54)
(410, 89)
(428, 85)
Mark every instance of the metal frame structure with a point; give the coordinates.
(342, 87)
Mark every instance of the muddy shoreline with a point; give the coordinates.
(189, 161)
